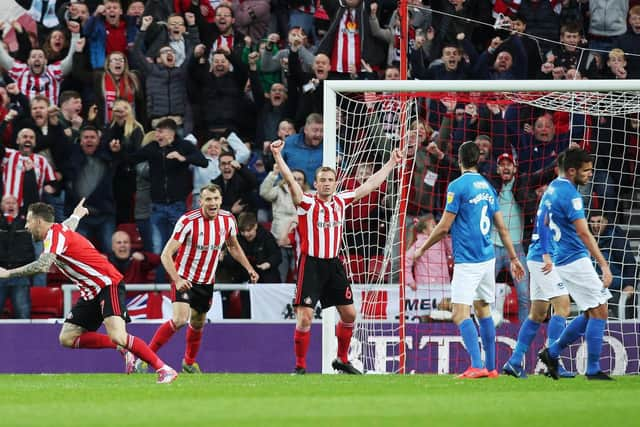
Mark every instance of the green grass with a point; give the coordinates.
(314, 400)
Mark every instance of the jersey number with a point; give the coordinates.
(485, 222)
(557, 234)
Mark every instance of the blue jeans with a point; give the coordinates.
(18, 289)
(302, 20)
(163, 218)
(100, 227)
(57, 201)
(522, 287)
(41, 278)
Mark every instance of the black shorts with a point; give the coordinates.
(111, 301)
(324, 280)
(199, 297)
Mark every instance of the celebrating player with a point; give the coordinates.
(198, 238)
(102, 292)
(571, 233)
(472, 207)
(321, 275)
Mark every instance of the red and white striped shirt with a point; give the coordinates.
(201, 242)
(80, 261)
(320, 224)
(46, 84)
(221, 42)
(346, 46)
(13, 172)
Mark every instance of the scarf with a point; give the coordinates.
(46, 17)
(113, 91)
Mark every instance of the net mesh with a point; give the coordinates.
(408, 328)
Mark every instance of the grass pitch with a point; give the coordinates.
(314, 400)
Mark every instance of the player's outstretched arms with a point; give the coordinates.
(79, 212)
(295, 189)
(41, 265)
(376, 180)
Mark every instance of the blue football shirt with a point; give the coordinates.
(565, 207)
(474, 202)
(542, 238)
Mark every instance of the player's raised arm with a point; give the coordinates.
(376, 180)
(582, 229)
(235, 250)
(79, 212)
(517, 270)
(294, 187)
(166, 257)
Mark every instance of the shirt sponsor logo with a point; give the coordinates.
(208, 247)
(328, 224)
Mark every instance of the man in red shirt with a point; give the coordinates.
(197, 238)
(321, 276)
(102, 292)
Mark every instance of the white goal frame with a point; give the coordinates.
(332, 87)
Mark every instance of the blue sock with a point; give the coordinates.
(488, 335)
(593, 335)
(528, 332)
(571, 333)
(555, 328)
(470, 338)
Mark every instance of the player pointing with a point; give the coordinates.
(198, 238)
(573, 238)
(102, 292)
(321, 275)
(471, 209)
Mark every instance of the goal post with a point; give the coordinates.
(365, 120)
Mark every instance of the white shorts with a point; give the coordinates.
(583, 283)
(543, 287)
(474, 281)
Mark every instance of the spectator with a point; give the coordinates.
(77, 11)
(607, 20)
(570, 54)
(45, 15)
(503, 60)
(16, 247)
(424, 180)
(70, 118)
(221, 34)
(252, 17)
(134, 266)
(616, 65)
(116, 81)
(350, 33)
(261, 250)
(221, 90)
(142, 203)
(616, 249)
(433, 266)
(165, 79)
(272, 60)
(450, 66)
(128, 133)
(543, 20)
(304, 150)
(37, 77)
(237, 184)
(211, 151)
(630, 42)
(310, 86)
(89, 174)
(531, 45)
(108, 31)
(284, 212)
(518, 203)
(169, 158)
(181, 38)
(16, 163)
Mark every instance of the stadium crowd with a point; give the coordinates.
(135, 105)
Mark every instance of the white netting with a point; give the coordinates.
(368, 126)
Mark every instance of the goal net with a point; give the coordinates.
(404, 309)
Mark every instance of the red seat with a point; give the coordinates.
(46, 302)
(132, 230)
